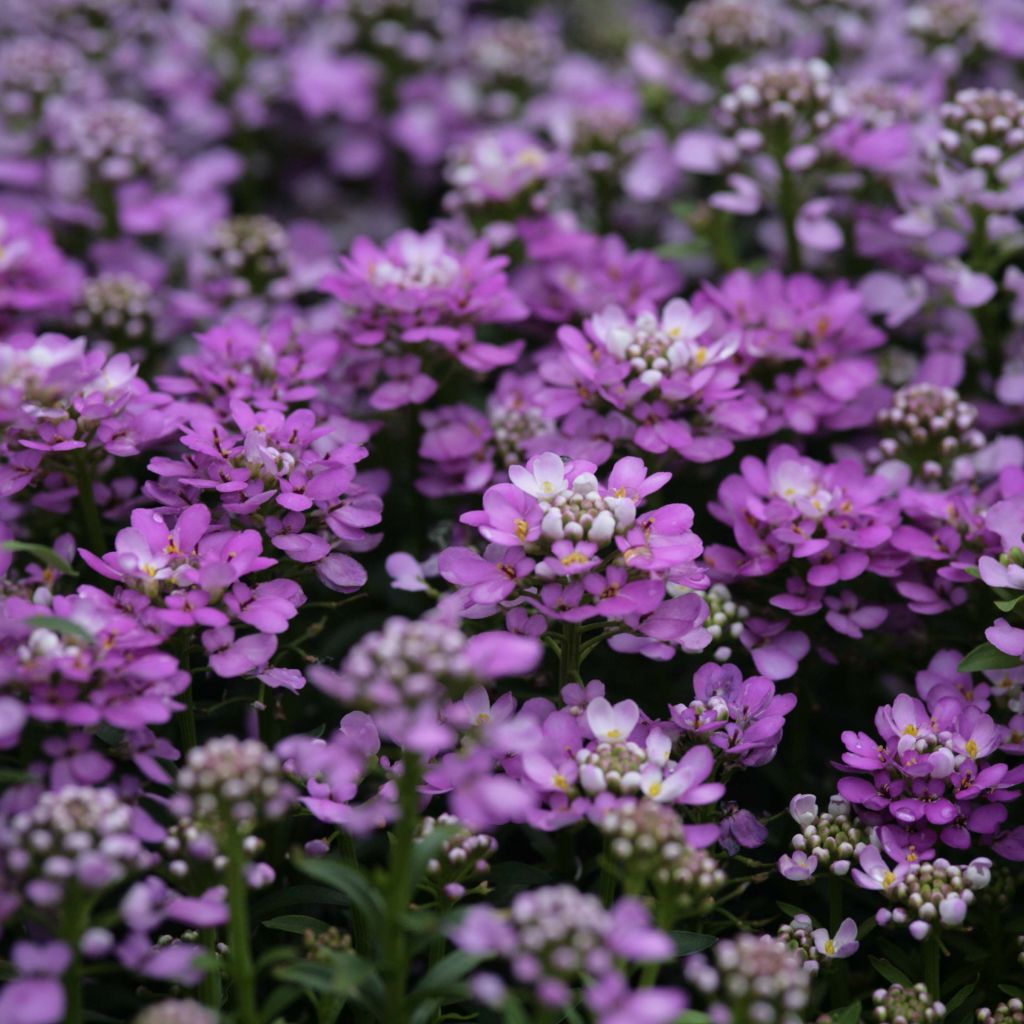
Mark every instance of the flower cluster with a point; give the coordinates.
(832, 839)
(554, 938)
(419, 290)
(815, 945)
(924, 893)
(751, 977)
(935, 773)
(650, 844)
(741, 719)
(379, 378)
(573, 549)
(910, 1004)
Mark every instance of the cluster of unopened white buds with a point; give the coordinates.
(612, 766)
(514, 50)
(463, 858)
(234, 780)
(983, 127)
(751, 978)
(118, 139)
(723, 31)
(928, 426)
(33, 68)
(835, 837)
(116, 306)
(934, 893)
(187, 845)
(45, 643)
(797, 935)
(408, 29)
(648, 840)
(562, 931)
(74, 837)
(250, 249)
(901, 1004)
(1010, 1012)
(408, 662)
(581, 513)
(513, 423)
(177, 1011)
(785, 94)
(725, 622)
(940, 22)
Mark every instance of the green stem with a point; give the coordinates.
(569, 655)
(835, 902)
(607, 883)
(839, 974)
(723, 243)
(789, 205)
(209, 987)
(243, 972)
(360, 927)
(932, 965)
(74, 925)
(91, 520)
(187, 718)
(399, 894)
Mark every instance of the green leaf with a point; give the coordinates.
(692, 1017)
(789, 910)
(510, 877)
(296, 924)
(514, 1012)
(298, 896)
(692, 942)
(889, 971)
(345, 879)
(848, 1014)
(1010, 603)
(985, 657)
(343, 974)
(1014, 991)
(59, 625)
(445, 977)
(960, 996)
(44, 554)
(280, 998)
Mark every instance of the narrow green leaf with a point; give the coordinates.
(445, 976)
(889, 971)
(280, 998)
(960, 996)
(848, 1014)
(789, 909)
(692, 942)
(296, 924)
(59, 625)
(341, 975)
(298, 896)
(985, 657)
(345, 879)
(44, 554)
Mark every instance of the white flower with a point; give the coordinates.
(542, 477)
(612, 723)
